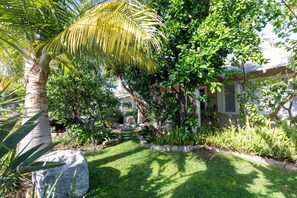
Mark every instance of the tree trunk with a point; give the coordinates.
(182, 106)
(273, 113)
(36, 76)
(140, 108)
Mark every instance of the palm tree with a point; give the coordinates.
(39, 31)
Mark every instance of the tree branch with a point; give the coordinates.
(289, 8)
(139, 106)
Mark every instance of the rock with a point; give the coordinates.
(174, 148)
(75, 164)
(182, 148)
(159, 148)
(144, 143)
(190, 147)
(167, 148)
(152, 146)
(291, 167)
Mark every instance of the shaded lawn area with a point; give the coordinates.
(128, 170)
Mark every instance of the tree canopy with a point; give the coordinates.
(201, 36)
(36, 32)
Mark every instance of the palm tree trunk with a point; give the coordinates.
(36, 75)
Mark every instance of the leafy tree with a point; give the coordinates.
(38, 31)
(285, 26)
(274, 93)
(84, 97)
(200, 37)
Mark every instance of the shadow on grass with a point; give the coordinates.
(145, 173)
(223, 179)
(143, 178)
(280, 182)
(220, 179)
(114, 157)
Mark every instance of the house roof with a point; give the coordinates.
(277, 57)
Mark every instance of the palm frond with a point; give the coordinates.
(120, 29)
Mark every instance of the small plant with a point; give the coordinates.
(148, 135)
(79, 135)
(202, 133)
(178, 136)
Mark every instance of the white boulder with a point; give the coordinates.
(74, 173)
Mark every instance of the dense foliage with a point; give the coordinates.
(13, 165)
(200, 36)
(82, 98)
(264, 96)
(35, 33)
(279, 143)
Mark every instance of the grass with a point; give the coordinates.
(128, 170)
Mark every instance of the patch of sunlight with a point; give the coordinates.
(192, 165)
(242, 167)
(264, 187)
(155, 167)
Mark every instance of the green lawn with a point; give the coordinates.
(128, 170)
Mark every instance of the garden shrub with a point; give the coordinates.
(203, 133)
(148, 135)
(278, 143)
(83, 99)
(79, 135)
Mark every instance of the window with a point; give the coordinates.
(227, 100)
(203, 95)
(230, 98)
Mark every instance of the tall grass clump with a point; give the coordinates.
(279, 142)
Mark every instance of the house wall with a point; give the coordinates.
(214, 116)
(225, 120)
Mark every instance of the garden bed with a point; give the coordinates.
(188, 148)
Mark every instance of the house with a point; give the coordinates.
(223, 107)
(129, 109)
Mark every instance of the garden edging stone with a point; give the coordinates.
(154, 146)
(189, 148)
(264, 160)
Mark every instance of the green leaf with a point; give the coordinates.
(52, 191)
(8, 101)
(38, 154)
(7, 126)
(39, 166)
(13, 139)
(21, 158)
(3, 90)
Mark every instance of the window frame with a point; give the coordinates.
(222, 99)
(205, 93)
